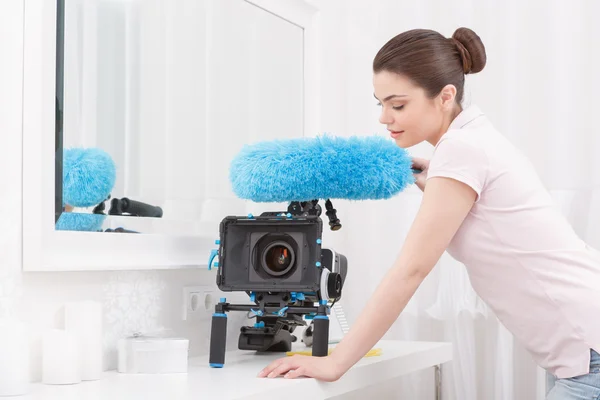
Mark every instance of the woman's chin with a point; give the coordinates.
(404, 143)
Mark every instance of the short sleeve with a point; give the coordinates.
(457, 159)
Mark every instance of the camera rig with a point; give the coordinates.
(277, 260)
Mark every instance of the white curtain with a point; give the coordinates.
(540, 89)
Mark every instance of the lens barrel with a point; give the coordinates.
(278, 258)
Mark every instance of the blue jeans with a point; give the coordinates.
(585, 387)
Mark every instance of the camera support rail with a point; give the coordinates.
(272, 332)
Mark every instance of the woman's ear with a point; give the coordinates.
(447, 96)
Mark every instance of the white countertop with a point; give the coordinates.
(237, 380)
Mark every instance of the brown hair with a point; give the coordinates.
(432, 61)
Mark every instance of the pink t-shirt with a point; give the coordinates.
(522, 256)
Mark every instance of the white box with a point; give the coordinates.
(150, 355)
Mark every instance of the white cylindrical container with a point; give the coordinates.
(14, 356)
(84, 319)
(60, 358)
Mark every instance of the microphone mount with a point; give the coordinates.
(304, 208)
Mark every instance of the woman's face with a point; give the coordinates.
(409, 115)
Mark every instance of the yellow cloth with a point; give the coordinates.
(371, 353)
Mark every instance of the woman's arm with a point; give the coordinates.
(446, 202)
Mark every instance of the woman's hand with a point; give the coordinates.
(321, 368)
(423, 165)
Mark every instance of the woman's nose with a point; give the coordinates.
(385, 118)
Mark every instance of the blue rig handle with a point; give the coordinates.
(211, 258)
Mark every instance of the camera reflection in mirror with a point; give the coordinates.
(88, 180)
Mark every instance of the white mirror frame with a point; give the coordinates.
(46, 249)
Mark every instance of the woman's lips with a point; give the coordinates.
(395, 134)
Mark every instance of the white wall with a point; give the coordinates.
(11, 73)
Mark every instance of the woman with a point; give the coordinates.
(484, 203)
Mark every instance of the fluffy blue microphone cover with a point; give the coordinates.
(72, 221)
(325, 167)
(88, 176)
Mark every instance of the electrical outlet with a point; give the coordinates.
(199, 302)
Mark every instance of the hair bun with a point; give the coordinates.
(471, 49)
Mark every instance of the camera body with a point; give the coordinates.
(277, 258)
(276, 253)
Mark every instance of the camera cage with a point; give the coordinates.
(279, 304)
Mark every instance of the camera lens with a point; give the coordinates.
(278, 258)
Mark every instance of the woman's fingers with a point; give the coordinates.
(269, 368)
(300, 371)
(281, 370)
(420, 163)
(288, 366)
(420, 167)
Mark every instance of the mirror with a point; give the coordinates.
(153, 100)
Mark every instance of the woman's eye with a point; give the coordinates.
(394, 107)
